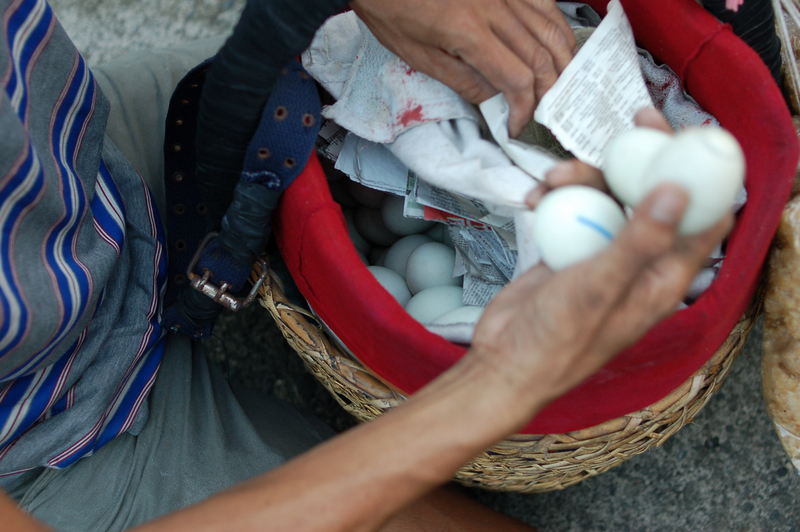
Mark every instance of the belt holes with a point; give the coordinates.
(308, 119)
(201, 208)
(263, 153)
(281, 113)
(176, 148)
(178, 177)
(180, 245)
(179, 209)
(289, 162)
(179, 279)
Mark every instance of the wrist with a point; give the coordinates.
(493, 399)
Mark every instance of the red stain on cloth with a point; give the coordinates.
(411, 117)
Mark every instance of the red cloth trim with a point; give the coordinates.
(727, 78)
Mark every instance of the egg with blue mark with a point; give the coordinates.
(574, 223)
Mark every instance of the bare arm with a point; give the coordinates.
(15, 520)
(539, 338)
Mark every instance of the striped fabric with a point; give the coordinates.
(82, 262)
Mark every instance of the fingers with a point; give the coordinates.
(650, 117)
(649, 235)
(573, 172)
(545, 22)
(478, 47)
(503, 68)
(550, 9)
(660, 286)
(526, 42)
(453, 72)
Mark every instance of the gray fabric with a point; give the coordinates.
(198, 440)
(34, 280)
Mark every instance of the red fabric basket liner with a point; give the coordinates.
(729, 80)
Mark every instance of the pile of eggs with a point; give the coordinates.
(413, 259)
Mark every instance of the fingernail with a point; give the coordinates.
(668, 206)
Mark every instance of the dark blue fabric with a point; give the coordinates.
(275, 156)
(289, 124)
(186, 209)
(269, 33)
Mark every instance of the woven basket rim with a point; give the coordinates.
(521, 462)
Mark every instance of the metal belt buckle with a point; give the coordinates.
(219, 293)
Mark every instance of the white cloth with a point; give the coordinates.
(378, 95)
(452, 155)
(429, 127)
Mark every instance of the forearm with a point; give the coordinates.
(358, 480)
(15, 520)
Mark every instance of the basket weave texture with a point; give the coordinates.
(524, 462)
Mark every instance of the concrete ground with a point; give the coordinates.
(724, 472)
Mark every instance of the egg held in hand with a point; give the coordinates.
(707, 162)
(626, 159)
(574, 223)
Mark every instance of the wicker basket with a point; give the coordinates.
(523, 462)
(731, 82)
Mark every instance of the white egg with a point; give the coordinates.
(364, 195)
(358, 241)
(393, 283)
(429, 265)
(468, 315)
(397, 256)
(627, 157)
(396, 222)
(369, 224)
(709, 163)
(574, 223)
(433, 302)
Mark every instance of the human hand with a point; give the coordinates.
(478, 47)
(575, 172)
(546, 332)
